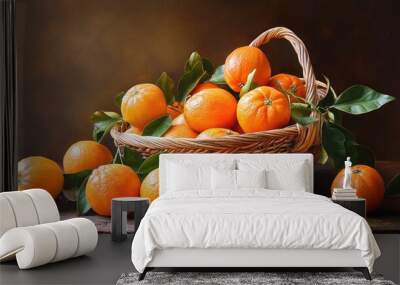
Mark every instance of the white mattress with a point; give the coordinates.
(252, 219)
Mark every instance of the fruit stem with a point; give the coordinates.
(268, 102)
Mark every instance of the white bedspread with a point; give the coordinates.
(254, 218)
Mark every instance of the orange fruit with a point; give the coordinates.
(110, 181)
(210, 108)
(216, 133)
(150, 185)
(290, 84)
(84, 155)
(134, 130)
(241, 62)
(263, 109)
(180, 120)
(180, 131)
(202, 86)
(368, 183)
(175, 109)
(142, 104)
(40, 172)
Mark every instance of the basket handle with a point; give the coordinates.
(302, 54)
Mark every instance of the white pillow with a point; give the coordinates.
(281, 174)
(184, 175)
(223, 179)
(251, 178)
(228, 179)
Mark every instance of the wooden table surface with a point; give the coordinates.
(384, 224)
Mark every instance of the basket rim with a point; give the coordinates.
(275, 132)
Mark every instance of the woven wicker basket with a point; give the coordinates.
(294, 138)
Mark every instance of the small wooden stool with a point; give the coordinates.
(120, 208)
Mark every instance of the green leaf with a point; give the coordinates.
(189, 81)
(194, 59)
(335, 116)
(250, 84)
(129, 157)
(103, 123)
(218, 75)
(149, 164)
(360, 99)
(323, 156)
(330, 97)
(393, 187)
(118, 99)
(82, 204)
(208, 66)
(167, 85)
(74, 180)
(333, 141)
(157, 127)
(301, 112)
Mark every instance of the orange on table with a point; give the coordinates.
(175, 109)
(180, 120)
(368, 183)
(150, 185)
(40, 172)
(290, 84)
(210, 108)
(110, 181)
(241, 62)
(216, 133)
(84, 155)
(142, 104)
(263, 108)
(202, 86)
(180, 131)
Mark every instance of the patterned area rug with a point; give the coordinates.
(236, 278)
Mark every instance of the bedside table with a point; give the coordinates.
(120, 208)
(356, 205)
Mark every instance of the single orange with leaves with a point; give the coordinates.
(290, 85)
(142, 104)
(241, 62)
(263, 109)
(111, 181)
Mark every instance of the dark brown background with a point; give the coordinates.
(74, 56)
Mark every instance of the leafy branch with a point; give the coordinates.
(338, 142)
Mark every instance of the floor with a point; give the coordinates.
(103, 266)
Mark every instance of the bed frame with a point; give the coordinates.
(246, 258)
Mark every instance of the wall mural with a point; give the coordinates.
(235, 106)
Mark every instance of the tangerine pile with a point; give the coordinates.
(213, 110)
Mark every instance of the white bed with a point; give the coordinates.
(195, 224)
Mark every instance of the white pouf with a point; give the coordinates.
(26, 208)
(40, 244)
(31, 230)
